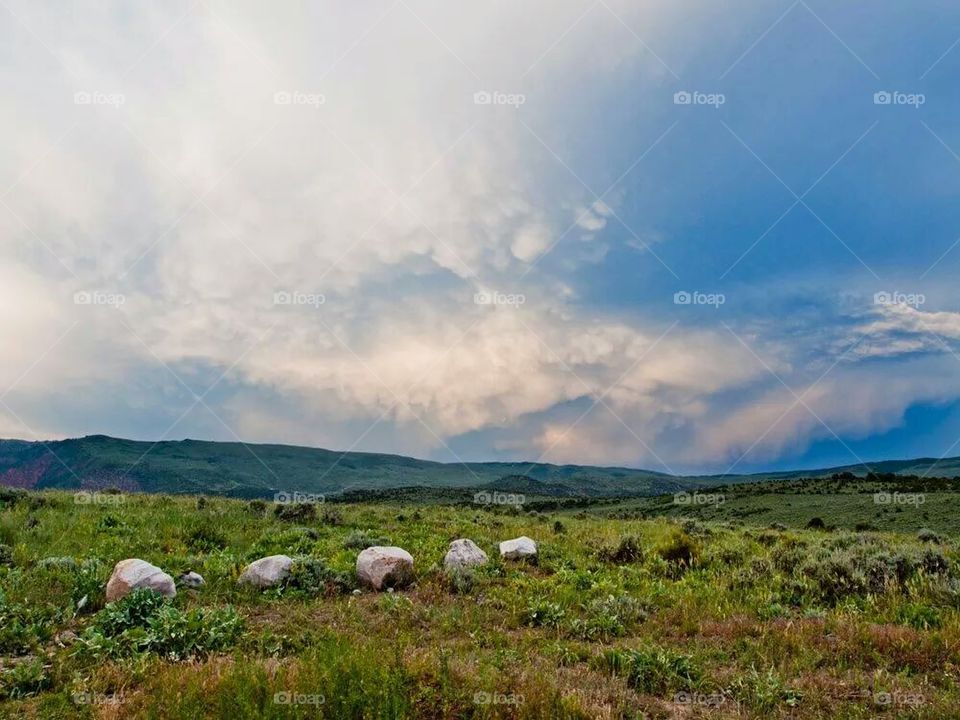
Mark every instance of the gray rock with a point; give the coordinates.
(192, 580)
(266, 572)
(464, 553)
(133, 574)
(385, 567)
(520, 548)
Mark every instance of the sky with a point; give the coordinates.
(669, 235)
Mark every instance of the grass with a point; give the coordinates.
(657, 617)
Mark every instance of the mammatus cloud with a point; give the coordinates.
(312, 208)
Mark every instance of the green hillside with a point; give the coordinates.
(261, 471)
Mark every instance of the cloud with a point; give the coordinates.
(340, 154)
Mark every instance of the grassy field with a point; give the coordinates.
(621, 617)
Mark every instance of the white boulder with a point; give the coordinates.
(133, 574)
(520, 548)
(192, 580)
(384, 567)
(266, 572)
(464, 553)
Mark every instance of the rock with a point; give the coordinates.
(267, 572)
(464, 553)
(519, 548)
(133, 574)
(192, 580)
(384, 567)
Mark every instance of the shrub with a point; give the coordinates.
(680, 550)
(558, 527)
(257, 508)
(928, 535)
(332, 516)
(764, 691)
(296, 512)
(628, 551)
(204, 538)
(541, 613)
(816, 523)
(462, 580)
(311, 576)
(6, 555)
(919, 617)
(361, 540)
(654, 670)
(23, 628)
(24, 679)
(144, 622)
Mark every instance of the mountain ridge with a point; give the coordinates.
(260, 470)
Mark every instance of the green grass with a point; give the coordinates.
(621, 617)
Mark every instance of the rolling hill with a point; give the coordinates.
(260, 471)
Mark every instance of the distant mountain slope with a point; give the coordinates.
(245, 470)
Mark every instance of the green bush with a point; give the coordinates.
(24, 679)
(145, 622)
(296, 512)
(361, 540)
(311, 576)
(542, 613)
(654, 670)
(627, 551)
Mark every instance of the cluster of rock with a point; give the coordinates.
(378, 568)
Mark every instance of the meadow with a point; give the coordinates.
(620, 616)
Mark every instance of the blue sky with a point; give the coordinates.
(461, 233)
